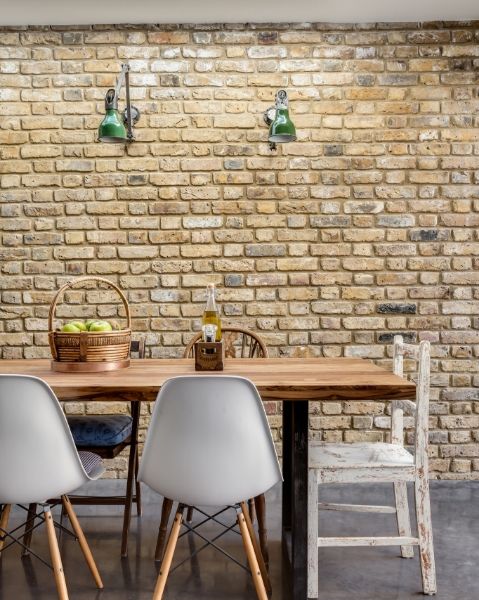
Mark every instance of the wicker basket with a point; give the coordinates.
(85, 351)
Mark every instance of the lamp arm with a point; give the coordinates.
(121, 79)
(124, 78)
(129, 119)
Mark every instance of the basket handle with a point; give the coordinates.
(70, 284)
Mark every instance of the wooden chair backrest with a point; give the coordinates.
(239, 343)
(138, 347)
(422, 354)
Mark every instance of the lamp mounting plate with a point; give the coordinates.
(135, 115)
(269, 115)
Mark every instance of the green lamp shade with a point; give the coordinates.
(112, 129)
(282, 128)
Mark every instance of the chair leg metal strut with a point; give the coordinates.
(45, 516)
(29, 528)
(257, 567)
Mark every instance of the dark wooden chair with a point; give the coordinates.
(133, 488)
(239, 343)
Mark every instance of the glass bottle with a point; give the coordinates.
(211, 315)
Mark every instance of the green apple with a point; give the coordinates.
(100, 326)
(70, 328)
(80, 324)
(89, 322)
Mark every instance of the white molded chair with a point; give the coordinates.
(381, 462)
(238, 343)
(38, 461)
(209, 444)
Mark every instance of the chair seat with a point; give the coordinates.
(100, 430)
(92, 463)
(358, 455)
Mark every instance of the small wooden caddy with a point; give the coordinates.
(209, 356)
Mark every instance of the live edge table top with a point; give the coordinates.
(275, 378)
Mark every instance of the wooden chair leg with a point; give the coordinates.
(257, 549)
(169, 552)
(135, 414)
(55, 555)
(424, 527)
(260, 504)
(189, 514)
(251, 509)
(4, 523)
(252, 560)
(165, 515)
(137, 485)
(128, 501)
(82, 541)
(27, 536)
(402, 514)
(313, 591)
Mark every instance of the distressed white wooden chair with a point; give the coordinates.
(381, 462)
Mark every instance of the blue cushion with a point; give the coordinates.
(100, 430)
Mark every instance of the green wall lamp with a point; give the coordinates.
(281, 128)
(116, 129)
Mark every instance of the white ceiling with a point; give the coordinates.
(86, 12)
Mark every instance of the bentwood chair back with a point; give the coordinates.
(238, 342)
(38, 458)
(209, 442)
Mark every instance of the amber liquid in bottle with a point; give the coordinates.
(211, 315)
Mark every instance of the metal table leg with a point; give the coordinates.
(295, 493)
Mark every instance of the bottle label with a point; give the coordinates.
(209, 332)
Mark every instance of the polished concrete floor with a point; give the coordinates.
(345, 574)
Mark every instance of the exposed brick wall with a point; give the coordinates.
(365, 227)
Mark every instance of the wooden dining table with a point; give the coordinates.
(293, 382)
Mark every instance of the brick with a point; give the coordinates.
(202, 222)
(393, 308)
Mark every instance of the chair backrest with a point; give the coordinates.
(138, 347)
(38, 458)
(422, 354)
(239, 343)
(209, 442)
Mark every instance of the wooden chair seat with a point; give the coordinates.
(358, 455)
(107, 451)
